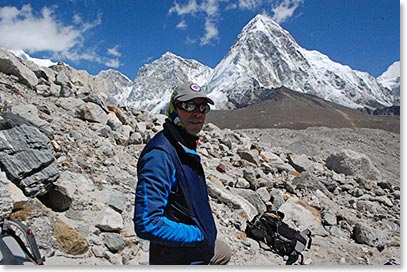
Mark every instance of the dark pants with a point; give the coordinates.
(181, 255)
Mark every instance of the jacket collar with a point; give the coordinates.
(183, 138)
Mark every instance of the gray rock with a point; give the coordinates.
(110, 220)
(11, 65)
(252, 197)
(117, 202)
(301, 162)
(365, 234)
(6, 202)
(26, 157)
(30, 113)
(114, 242)
(352, 163)
(250, 156)
(92, 112)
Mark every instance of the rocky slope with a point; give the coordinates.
(68, 169)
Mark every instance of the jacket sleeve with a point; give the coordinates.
(156, 176)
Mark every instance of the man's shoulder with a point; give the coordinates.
(159, 141)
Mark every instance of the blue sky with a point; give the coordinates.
(124, 35)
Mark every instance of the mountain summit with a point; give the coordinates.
(266, 57)
(155, 81)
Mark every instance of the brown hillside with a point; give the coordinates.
(294, 110)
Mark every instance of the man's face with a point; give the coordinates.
(193, 121)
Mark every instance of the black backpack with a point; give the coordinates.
(17, 244)
(280, 238)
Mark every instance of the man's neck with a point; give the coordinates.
(181, 135)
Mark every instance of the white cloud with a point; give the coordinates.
(189, 8)
(182, 25)
(114, 51)
(211, 32)
(19, 29)
(250, 4)
(285, 10)
(23, 29)
(113, 63)
(211, 11)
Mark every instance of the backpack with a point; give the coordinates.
(17, 244)
(269, 228)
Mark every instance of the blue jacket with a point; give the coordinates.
(172, 207)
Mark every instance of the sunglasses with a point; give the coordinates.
(190, 106)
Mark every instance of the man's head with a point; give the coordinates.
(188, 107)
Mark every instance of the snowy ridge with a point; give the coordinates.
(391, 78)
(154, 82)
(40, 62)
(266, 57)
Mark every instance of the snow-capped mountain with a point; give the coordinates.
(266, 57)
(118, 84)
(155, 81)
(391, 78)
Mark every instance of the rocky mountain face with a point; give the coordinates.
(154, 82)
(266, 57)
(119, 85)
(68, 170)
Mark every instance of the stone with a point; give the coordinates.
(300, 163)
(26, 157)
(110, 220)
(349, 162)
(113, 241)
(11, 65)
(92, 112)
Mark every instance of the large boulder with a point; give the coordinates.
(26, 158)
(11, 65)
(352, 163)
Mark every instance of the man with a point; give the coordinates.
(172, 207)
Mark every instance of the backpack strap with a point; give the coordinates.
(33, 254)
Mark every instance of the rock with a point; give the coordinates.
(229, 198)
(352, 163)
(110, 220)
(27, 159)
(113, 241)
(113, 122)
(6, 202)
(11, 65)
(70, 104)
(300, 163)
(303, 216)
(250, 156)
(30, 113)
(92, 113)
(252, 197)
(117, 202)
(367, 235)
